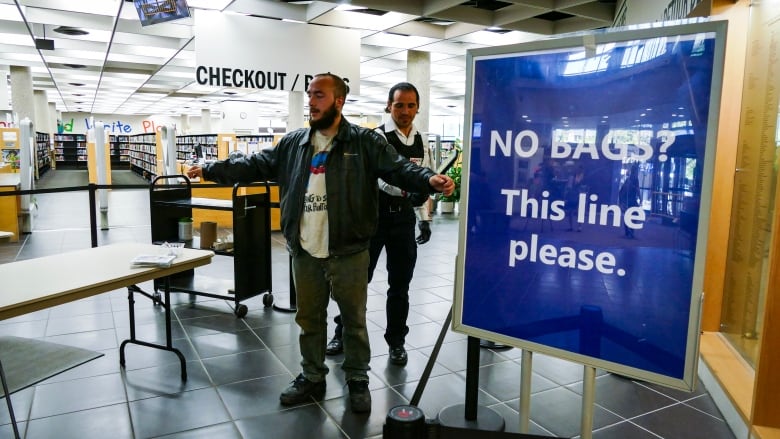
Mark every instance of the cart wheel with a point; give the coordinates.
(157, 298)
(268, 300)
(241, 311)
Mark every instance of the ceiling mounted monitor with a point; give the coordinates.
(158, 11)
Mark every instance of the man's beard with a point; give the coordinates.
(326, 120)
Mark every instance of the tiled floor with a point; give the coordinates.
(237, 367)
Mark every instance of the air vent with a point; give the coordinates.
(488, 5)
(369, 11)
(67, 30)
(554, 16)
(437, 21)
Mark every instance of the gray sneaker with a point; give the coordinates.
(359, 396)
(302, 390)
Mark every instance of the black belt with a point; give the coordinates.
(396, 205)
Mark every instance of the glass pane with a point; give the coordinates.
(754, 189)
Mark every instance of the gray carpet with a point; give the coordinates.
(58, 178)
(127, 177)
(28, 361)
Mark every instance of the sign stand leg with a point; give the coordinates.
(588, 399)
(525, 390)
(471, 415)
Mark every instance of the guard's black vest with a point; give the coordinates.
(387, 203)
(414, 150)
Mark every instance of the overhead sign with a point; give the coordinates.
(587, 175)
(257, 53)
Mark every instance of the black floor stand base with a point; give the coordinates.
(487, 418)
(487, 344)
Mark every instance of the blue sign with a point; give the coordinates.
(588, 166)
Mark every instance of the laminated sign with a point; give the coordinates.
(587, 175)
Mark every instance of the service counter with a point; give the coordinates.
(10, 206)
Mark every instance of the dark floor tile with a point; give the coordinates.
(290, 357)
(706, 404)
(435, 311)
(83, 323)
(174, 413)
(246, 399)
(625, 397)
(218, 323)
(226, 430)
(559, 371)
(684, 422)
(623, 430)
(21, 402)
(393, 375)
(279, 335)
(452, 355)
(141, 357)
(99, 423)
(7, 430)
(153, 332)
(559, 411)
(56, 398)
(105, 365)
(512, 421)
(226, 343)
(99, 340)
(308, 421)
(360, 425)
(164, 380)
(440, 392)
(31, 329)
(424, 334)
(243, 366)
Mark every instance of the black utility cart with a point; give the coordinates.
(171, 199)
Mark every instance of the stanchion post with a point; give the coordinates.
(526, 368)
(588, 399)
(93, 214)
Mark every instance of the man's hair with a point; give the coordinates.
(340, 89)
(403, 86)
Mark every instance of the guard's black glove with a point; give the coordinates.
(417, 199)
(425, 232)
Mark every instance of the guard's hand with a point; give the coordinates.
(442, 183)
(425, 232)
(417, 199)
(194, 172)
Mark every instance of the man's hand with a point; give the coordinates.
(425, 232)
(442, 183)
(417, 199)
(195, 171)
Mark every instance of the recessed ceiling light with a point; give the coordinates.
(68, 30)
(76, 84)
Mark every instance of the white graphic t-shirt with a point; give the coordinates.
(314, 221)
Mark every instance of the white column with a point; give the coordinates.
(185, 124)
(4, 104)
(418, 72)
(22, 93)
(51, 125)
(205, 121)
(41, 108)
(294, 110)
